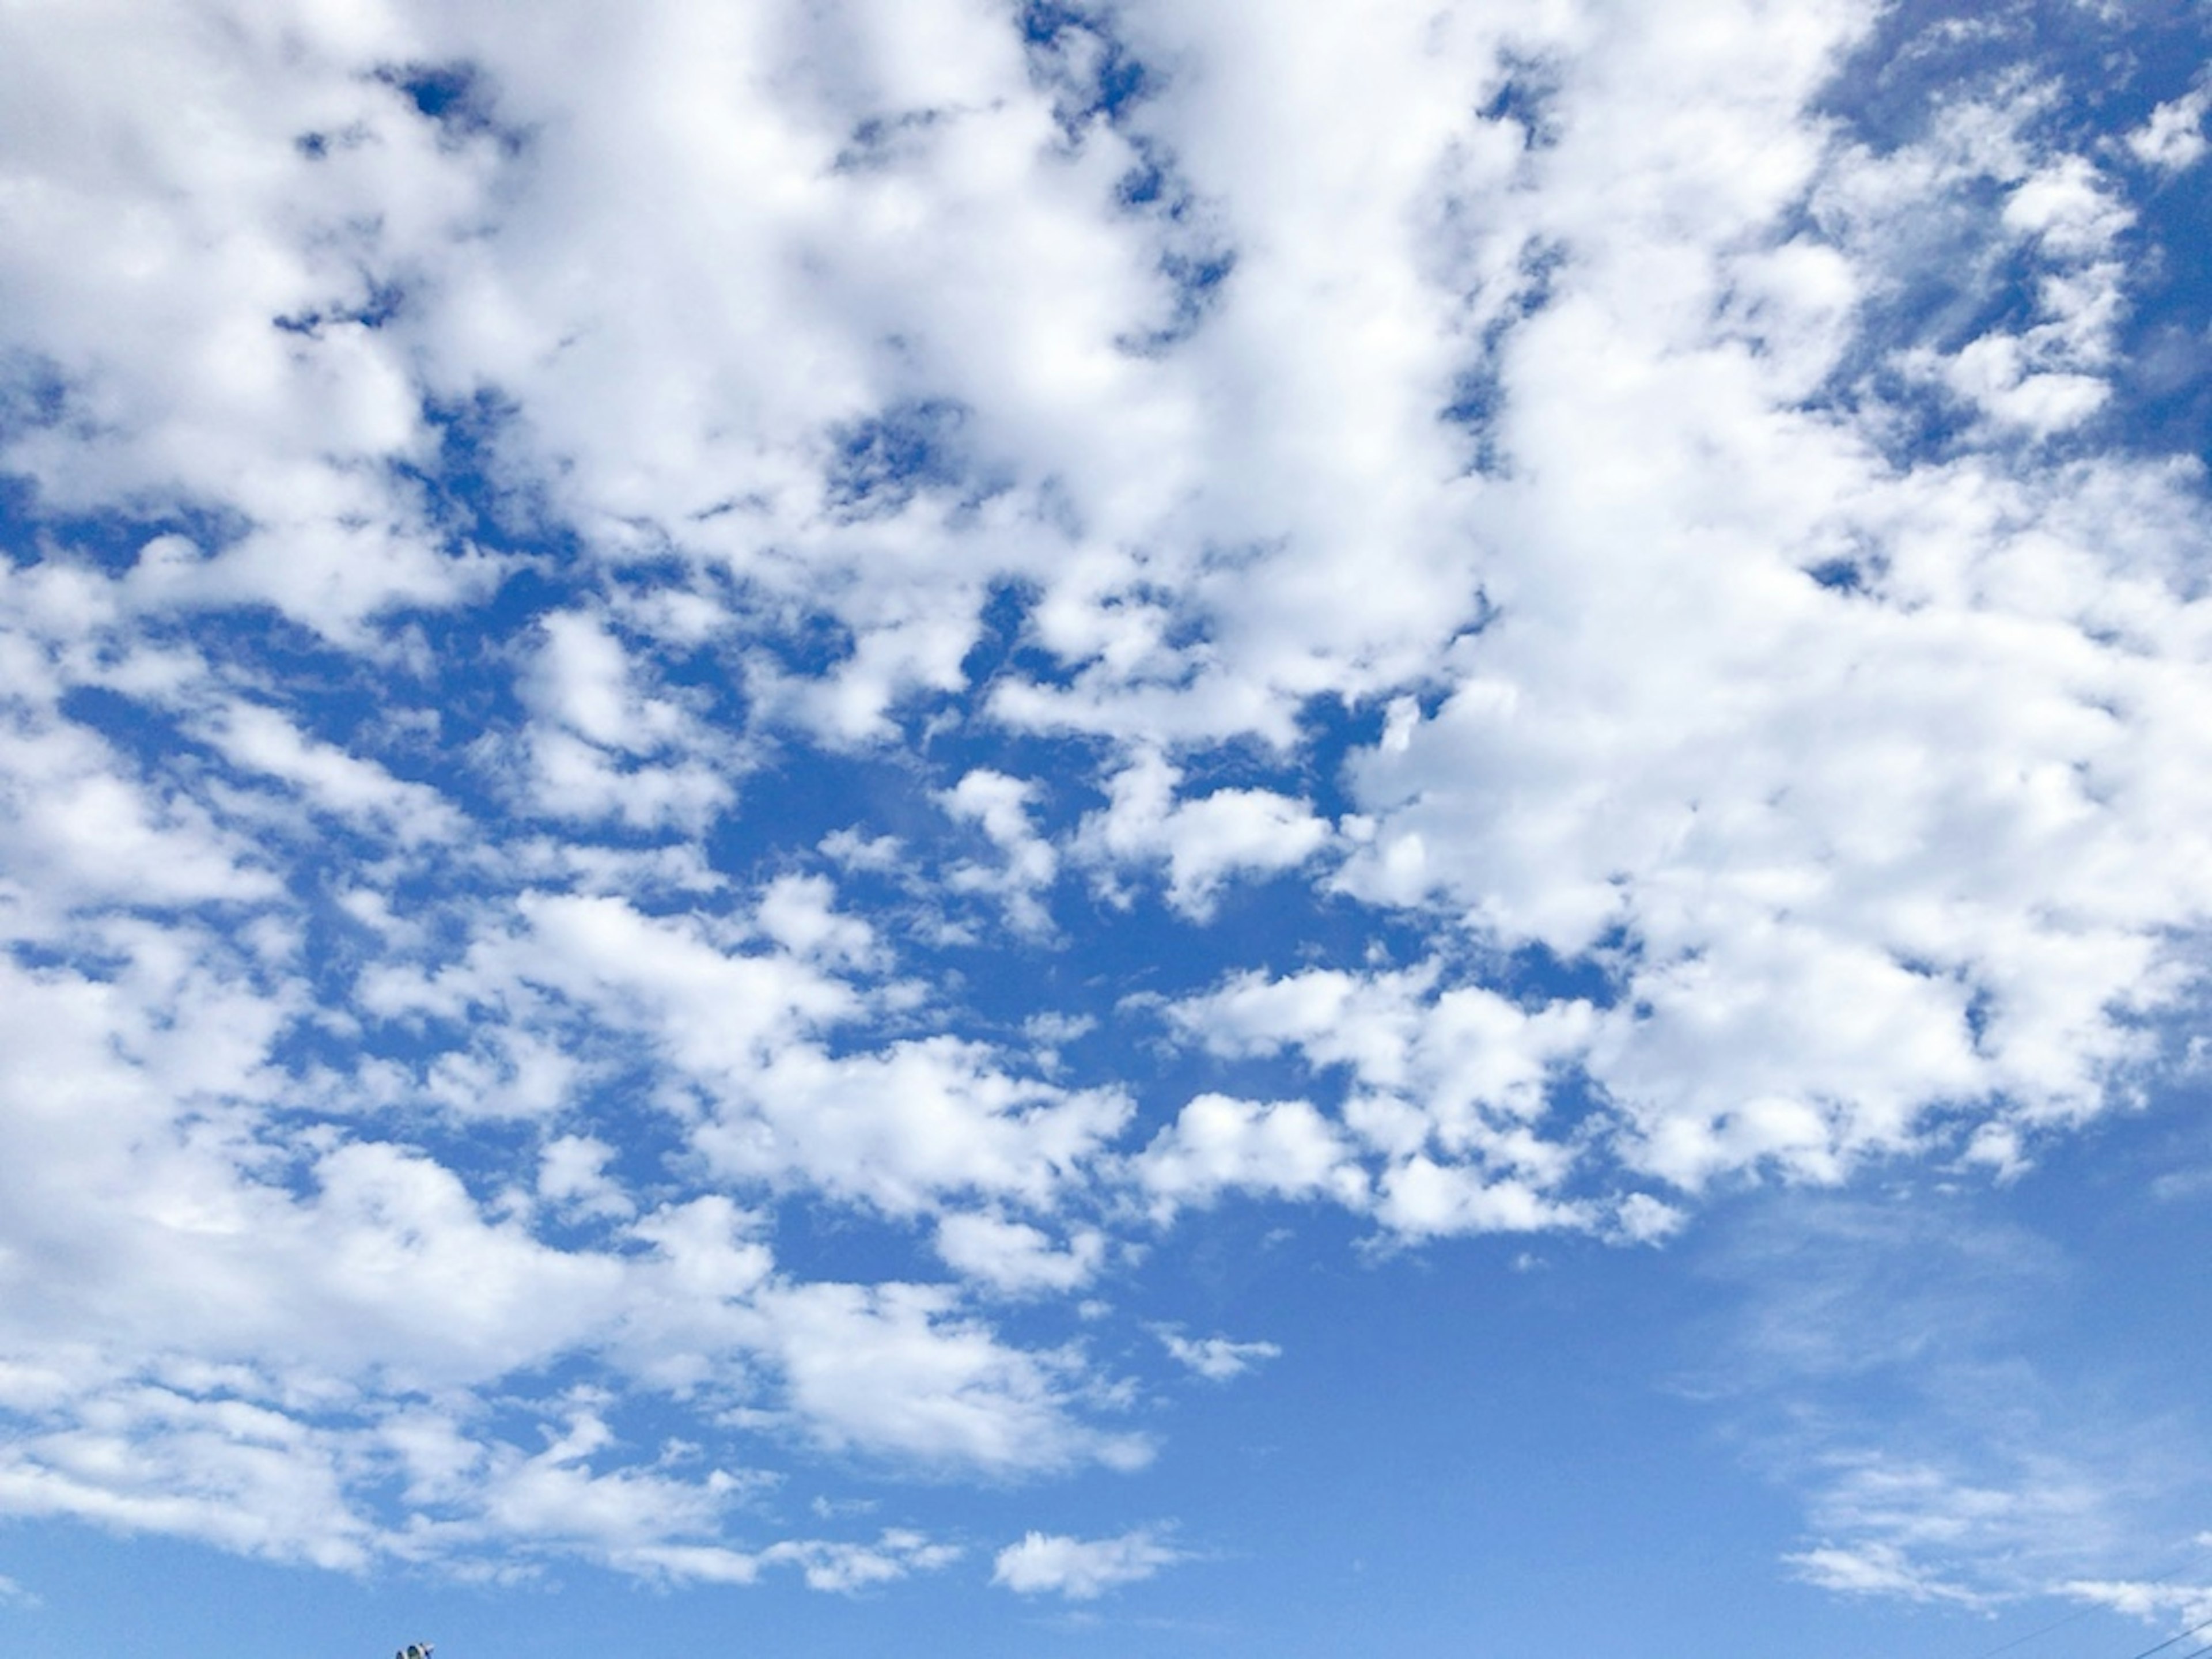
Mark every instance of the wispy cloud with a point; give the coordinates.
(1905, 1367)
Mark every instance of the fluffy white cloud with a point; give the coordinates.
(998, 806)
(602, 747)
(902, 1127)
(1204, 840)
(1015, 1258)
(1079, 1569)
(1792, 748)
(1831, 761)
(1220, 1144)
(2173, 137)
(895, 1369)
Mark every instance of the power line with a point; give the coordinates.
(2183, 1635)
(2082, 1613)
(2074, 1617)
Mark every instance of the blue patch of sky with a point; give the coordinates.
(380, 302)
(111, 541)
(1196, 259)
(458, 98)
(1923, 54)
(818, 1238)
(1564, 1470)
(20, 541)
(800, 795)
(1478, 395)
(1478, 399)
(879, 464)
(1535, 975)
(1856, 1315)
(823, 1239)
(1844, 575)
(880, 140)
(795, 641)
(2111, 67)
(150, 736)
(2164, 389)
(1195, 279)
(1527, 96)
(33, 394)
(1331, 731)
(420, 730)
(477, 488)
(1095, 79)
(467, 642)
(1006, 647)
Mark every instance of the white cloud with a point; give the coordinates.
(799, 913)
(1219, 1144)
(582, 677)
(909, 1125)
(258, 739)
(162, 266)
(605, 748)
(1451, 1094)
(229, 1472)
(1204, 840)
(1875, 1570)
(1736, 786)
(812, 352)
(1216, 1359)
(895, 1369)
(81, 830)
(1014, 1258)
(1081, 1569)
(2173, 138)
(998, 806)
(847, 1569)
(1462, 1065)
(1905, 1368)
(838, 1568)
(572, 1173)
(1422, 1198)
(2185, 1604)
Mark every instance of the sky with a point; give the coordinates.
(994, 827)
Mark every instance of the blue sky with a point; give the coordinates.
(947, 827)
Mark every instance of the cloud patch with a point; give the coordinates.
(1079, 1569)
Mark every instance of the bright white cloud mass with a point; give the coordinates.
(871, 796)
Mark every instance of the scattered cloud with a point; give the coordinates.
(1081, 1569)
(644, 677)
(2173, 137)
(1216, 1359)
